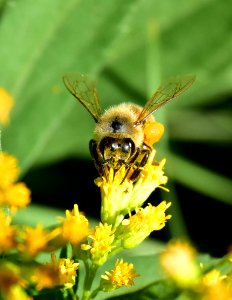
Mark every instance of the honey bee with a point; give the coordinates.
(125, 133)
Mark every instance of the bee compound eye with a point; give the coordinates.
(126, 147)
(114, 146)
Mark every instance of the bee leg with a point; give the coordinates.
(143, 162)
(98, 161)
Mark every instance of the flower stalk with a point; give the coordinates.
(89, 278)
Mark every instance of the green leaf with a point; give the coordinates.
(161, 290)
(200, 126)
(37, 214)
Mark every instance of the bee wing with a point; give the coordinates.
(84, 90)
(165, 93)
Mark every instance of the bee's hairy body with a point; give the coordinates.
(117, 140)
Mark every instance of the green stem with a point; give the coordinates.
(115, 251)
(90, 274)
(72, 294)
(95, 292)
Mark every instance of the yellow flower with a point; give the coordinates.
(75, 228)
(139, 226)
(213, 277)
(59, 272)
(46, 276)
(6, 104)
(102, 240)
(14, 195)
(121, 196)
(115, 196)
(17, 196)
(7, 233)
(123, 274)
(9, 170)
(67, 271)
(179, 261)
(35, 240)
(215, 287)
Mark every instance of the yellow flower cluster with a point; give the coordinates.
(216, 286)
(61, 272)
(151, 217)
(14, 279)
(12, 194)
(123, 274)
(178, 260)
(67, 271)
(101, 243)
(35, 240)
(28, 242)
(75, 228)
(121, 196)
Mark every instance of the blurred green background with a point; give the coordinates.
(128, 47)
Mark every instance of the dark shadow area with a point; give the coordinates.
(208, 221)
(65, 183)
